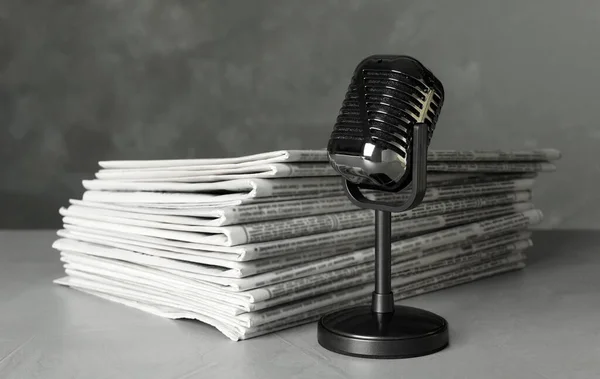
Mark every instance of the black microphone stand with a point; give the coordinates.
(386, 330)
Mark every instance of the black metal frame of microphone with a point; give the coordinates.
(383, 297)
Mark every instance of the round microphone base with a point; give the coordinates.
(407, 333)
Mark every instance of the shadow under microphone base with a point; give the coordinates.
(384, 329)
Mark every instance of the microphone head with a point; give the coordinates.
(371, 142)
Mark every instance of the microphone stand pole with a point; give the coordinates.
(383, 297)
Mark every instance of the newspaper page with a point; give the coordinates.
(458, 191)
(236, 333)
(299, 170)
(321, 156)
(301, 309)
(364, 273)
(232, 162)
(298, 271)
(134, 292)
(227, 215)
(294, 227)
(441, 193)
(491, 167)
(112, 284)
(313, 267)
(273, 324)
(76, 268)
(125, 271)
(279, 289)
(281, 190)
(122, 270)
(326, 243)
(283, 289)
(140, 275)
(278, 170)
(472, 179)
(70, 245)
(423, 210)
(243, 185)
(231, 190)
(499, 225)
(229, 268)
(105, 237)
(284, 230)
(494, 155)
(143, 286)
(303, 269)
(349, 294)
(291, 189)
(256, 213)
(113, 269)
(417, 288)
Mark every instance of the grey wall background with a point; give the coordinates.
(85, 80)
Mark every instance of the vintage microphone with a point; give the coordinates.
(380, 142)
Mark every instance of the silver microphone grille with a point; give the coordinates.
(371, 140)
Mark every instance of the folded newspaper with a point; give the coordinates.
(255, 244)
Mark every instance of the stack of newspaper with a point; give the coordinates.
(260, 243)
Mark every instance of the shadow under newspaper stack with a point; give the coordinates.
(256, 244)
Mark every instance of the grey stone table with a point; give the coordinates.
(542, 322)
